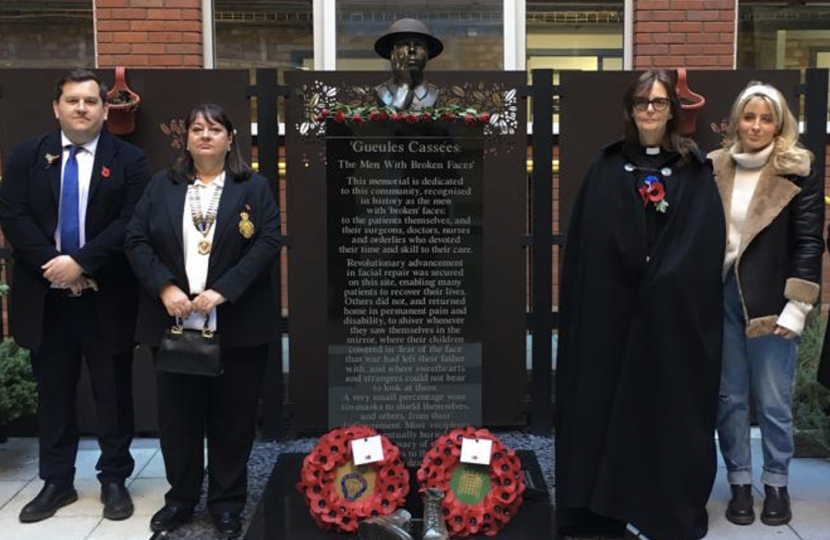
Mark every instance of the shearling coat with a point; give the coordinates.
(781, 247)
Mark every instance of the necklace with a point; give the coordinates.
(203, 221)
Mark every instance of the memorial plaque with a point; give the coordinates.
(405, 258)
(496, 303)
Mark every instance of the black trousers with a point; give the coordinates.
(223, 409)
(70, 332)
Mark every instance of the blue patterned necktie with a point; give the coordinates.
(70, 224)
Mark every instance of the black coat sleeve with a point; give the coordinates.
(263, 252)
(96, 252)
(32, 247)
(150, 270)
(806, 226)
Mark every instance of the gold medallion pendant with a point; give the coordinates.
(246, 227)
(204, 247)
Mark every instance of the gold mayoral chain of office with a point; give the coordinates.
(203, 221)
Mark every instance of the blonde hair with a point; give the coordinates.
(787, 150)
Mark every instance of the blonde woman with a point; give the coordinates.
(772, 270)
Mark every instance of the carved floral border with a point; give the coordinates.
(500, 101)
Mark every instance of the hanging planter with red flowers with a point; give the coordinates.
(478, 498)
(340, 494)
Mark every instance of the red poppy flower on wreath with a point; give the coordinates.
(339, 494)
(478, 499)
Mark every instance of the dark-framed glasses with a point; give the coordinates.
(659, 104)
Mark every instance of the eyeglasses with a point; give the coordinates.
(659, 104)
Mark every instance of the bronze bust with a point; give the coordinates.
(409, 45)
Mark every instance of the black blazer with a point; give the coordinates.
(239, 267)
(29, 202)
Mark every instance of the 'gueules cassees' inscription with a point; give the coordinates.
(405, 286)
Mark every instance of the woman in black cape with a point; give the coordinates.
(638, 362)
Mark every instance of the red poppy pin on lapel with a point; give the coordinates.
(105, 172)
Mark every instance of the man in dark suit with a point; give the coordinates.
(65, 201)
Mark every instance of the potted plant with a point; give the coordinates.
(123, 104)
(18, 391)
(811, 401)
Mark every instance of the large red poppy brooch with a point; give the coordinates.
(340, 494)
(652, 191)
(478, 498)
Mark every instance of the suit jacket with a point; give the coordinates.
(239, 267)
(29, 202)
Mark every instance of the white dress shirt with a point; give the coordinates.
(86, 159)
(196, 264)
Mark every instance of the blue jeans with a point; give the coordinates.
(767, 365)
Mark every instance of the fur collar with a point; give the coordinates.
(772, 194)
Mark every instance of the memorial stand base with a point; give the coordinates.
(283, 515)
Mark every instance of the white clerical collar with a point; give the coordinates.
(652, 150)
(90, 147)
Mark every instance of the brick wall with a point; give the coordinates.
(47, 44)
(684, 33)
(149, 33)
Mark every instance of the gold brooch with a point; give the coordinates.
(246, 228)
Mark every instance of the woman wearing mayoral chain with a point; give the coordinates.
(201, 242)
(638, 361)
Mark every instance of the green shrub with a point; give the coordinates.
(811, 401)
(18, 391)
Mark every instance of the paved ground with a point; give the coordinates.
(809, 487)
(82, 520)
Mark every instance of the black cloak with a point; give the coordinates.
(638, 365)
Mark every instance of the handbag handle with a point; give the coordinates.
(178, 327)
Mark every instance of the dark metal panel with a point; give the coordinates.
(815, 128)
(267, 92)
(542, 91)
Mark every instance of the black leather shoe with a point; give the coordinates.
(739, 510)
(170, 517)
(47, 502)
(776, 506)
(228, 524)
(117, 502)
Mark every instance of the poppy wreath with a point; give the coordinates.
(339, 494)
(477, 498)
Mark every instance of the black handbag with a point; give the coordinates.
(189, 352)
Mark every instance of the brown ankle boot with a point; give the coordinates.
(776, 506)
(739, 510)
